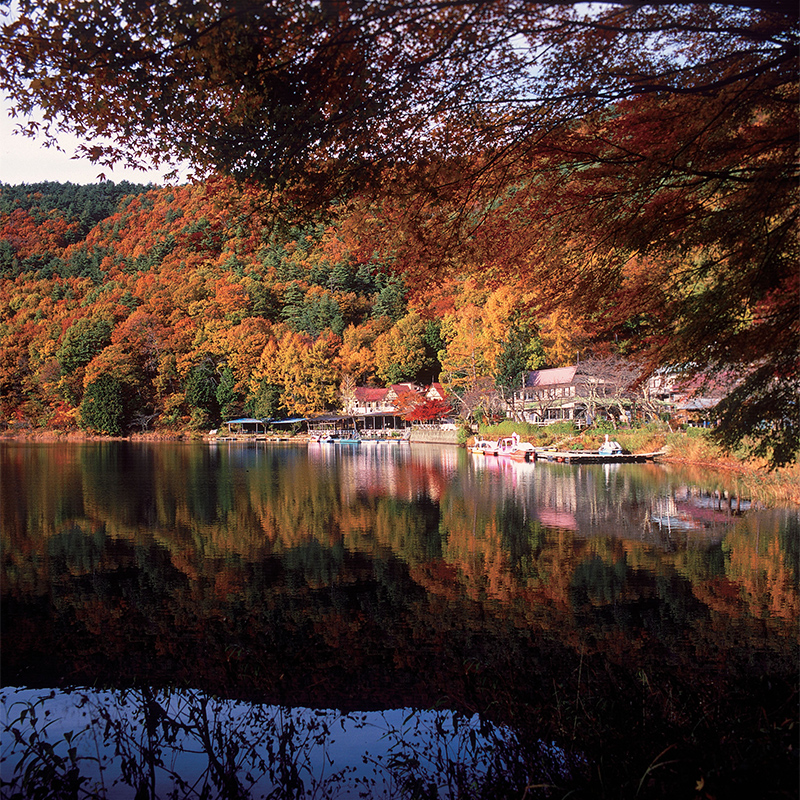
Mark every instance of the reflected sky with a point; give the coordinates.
(108, 736)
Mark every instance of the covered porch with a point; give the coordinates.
(241, 426)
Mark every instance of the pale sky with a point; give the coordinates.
(24, 160)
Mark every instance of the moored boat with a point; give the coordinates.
(524, 452)
(610, 448)
(513, 448)
(484, 447)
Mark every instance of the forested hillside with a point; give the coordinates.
(469, 186)
(134, 307)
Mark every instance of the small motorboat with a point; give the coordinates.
(505, 447)
(524, 452)
(484, 447)
(610, 448)
(515, 449)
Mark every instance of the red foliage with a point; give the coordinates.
(429, 411)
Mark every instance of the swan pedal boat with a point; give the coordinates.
(512, 447)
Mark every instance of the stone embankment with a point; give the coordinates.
(433, 436)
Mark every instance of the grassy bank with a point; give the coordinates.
(79, 435)
(693, 446)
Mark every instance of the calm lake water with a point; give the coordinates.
(390, 620)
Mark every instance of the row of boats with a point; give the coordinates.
(512, 447)
(355, 437)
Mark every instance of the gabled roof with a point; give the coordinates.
(559, 376)
(402, 388)
(707, 386)
(698, 404)
(370, 394)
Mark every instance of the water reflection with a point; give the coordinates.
(608, 608)
(130, 744)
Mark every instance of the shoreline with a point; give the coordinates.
(778, 487)
(77, 435)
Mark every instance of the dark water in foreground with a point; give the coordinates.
(268, 620)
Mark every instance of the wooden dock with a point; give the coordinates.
(593, 457)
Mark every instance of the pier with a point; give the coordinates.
(593, 457)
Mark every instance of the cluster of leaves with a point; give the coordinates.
(327, 96)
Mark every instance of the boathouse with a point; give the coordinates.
(245, 425)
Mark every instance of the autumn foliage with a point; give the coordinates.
(417, 185)
(185, 305)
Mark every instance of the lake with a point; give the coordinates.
(393, 620)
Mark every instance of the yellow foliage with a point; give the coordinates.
(563, 335)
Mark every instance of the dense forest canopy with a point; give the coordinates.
(627, 172)
(334, 93)
(185, 304)
(84, 205)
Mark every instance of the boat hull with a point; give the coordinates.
(484, 448)
(593, 457)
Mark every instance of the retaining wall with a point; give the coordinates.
(433, 436)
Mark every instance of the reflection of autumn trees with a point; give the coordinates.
(213, 512)
(395, 578)
(762, 569)
(249, 504)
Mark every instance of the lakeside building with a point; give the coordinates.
(375, 409)
(598, 389)
(548, 395)
(571, 394)
(693, 398)
(581, 394)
